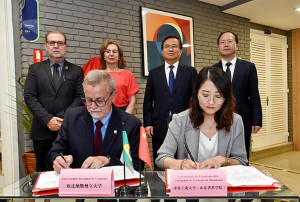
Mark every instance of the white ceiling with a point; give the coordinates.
(279, 14)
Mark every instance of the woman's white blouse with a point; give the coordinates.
(208, 147)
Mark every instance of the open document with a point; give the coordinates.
(131, 178)
(248, 176)
(46, 181)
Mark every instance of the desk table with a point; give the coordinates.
(156, 190)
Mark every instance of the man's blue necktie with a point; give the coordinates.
(228, 72)
(171, 78)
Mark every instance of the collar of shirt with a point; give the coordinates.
(231, 67)
(167, 70)
(105, 122)
(61, 64)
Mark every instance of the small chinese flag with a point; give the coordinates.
(144, 153)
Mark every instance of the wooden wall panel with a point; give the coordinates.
(296, 87)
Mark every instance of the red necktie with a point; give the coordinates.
(98, 138)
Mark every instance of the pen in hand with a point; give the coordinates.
(62, 156)
(190, 154)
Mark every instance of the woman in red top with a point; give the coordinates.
(113, 62)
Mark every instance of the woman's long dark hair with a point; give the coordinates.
(224, 116)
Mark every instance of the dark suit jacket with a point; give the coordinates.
(44, 101)
(158, 100)
(245, 91)
(76, 137)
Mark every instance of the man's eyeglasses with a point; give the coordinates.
(113, 51)
(230, 41)
(99, 103)
(59, 43)
(218, 99)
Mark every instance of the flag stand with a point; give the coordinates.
(141, 190)
(124, 190)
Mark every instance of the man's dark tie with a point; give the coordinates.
(56, 76)
(171, 78)
(228, 72)
(98, 138)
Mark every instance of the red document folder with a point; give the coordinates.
(46, 181)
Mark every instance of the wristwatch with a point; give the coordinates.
(108, 157)
(228, 162)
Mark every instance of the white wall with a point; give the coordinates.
(9, 135)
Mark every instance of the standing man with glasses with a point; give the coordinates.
(168, 91)
(244, 80)
(52, 86)
(91, 135)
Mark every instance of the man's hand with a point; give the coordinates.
(59, 163)
(55, 123)
(255, 129)
(149, 131)
(95, 162)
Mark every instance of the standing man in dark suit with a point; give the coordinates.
(52, 86)
(91, 135)
(168, 91)
(244, 80)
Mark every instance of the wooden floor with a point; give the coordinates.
(285, 167)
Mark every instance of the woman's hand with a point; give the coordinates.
(131, 104)
(214, 162)
(179, 164)
(187, 164)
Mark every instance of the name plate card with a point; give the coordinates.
(206, 182)
(86, 182)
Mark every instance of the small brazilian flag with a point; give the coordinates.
(126, 152)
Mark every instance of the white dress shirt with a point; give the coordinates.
(167, 70)
(231, 67)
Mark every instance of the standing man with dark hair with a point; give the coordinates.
(244, 80)
(168, 91)
(52, 86)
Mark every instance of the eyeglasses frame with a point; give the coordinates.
(84, 100)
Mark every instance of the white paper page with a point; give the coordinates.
(48, 179)
(168, 183)
(119, 173)
(244, 175)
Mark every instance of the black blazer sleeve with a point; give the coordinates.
(148, 101)
(255, 98)
(31, 95)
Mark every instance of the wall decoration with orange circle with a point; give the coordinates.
(157, 25)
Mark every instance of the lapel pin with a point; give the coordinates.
(66, 67)
(115, 131)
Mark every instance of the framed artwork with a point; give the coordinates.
(157, 25)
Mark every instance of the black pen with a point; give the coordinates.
(189, 152)
(62, 156)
